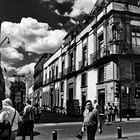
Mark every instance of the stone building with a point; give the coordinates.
(96, 55)
(38, 79)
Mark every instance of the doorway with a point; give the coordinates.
(83, 101)
(70, 94)
(101, 100)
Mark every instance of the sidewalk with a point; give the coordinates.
(52, 117)
(126, 120)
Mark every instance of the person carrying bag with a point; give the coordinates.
(28, 119)
(9, 118)
(6, 128)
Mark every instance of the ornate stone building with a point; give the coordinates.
(96, 55)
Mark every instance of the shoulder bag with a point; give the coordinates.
(6, 128)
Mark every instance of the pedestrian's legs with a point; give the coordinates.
(109, 117)
(23, 136)
(13, 135)
(113, 117)
(91, 131)
(32, 134)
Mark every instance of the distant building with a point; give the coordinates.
(29, 81)
(38, 78)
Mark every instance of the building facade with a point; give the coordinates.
(96, 56)
(38, 79)
(29, 82)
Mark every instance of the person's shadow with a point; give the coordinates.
(28, 133)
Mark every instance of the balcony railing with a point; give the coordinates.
(71, 69)
(102, 52)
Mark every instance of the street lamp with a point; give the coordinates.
(8, 42)
(2, 82)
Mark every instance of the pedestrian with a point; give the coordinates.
(95, 104)
(91, 121)
(10, 114)
(28, 117)
(37, 112)
(108, 111)
(114, 112)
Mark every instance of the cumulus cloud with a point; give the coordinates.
(33, 36)
(10, 54)
(26, 69)
(81, 6)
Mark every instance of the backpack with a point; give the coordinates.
(6, 128)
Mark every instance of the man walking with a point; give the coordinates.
(28, 117)
(91, 121)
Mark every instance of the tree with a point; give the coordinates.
(17, 90)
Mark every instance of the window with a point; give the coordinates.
(52, 72)
(101, 74)
(71, 64)
(136, 41)
(101, 45)
(63, 64)
(56, 71)
(45, 75)
(85, 57)
(137, 72)
(62, 86)
(84, 80)
(114, 32)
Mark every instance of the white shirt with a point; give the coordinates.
(8, 114)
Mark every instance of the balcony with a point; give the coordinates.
(71, 69)
(105, 55)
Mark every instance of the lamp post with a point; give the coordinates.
(2, 82)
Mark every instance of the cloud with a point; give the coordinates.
(10, 54)
(33, 36)
(26, 69)
(81, 6)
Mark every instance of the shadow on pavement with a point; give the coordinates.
(52, 117)
(28, 134)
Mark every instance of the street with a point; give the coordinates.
(69, 130)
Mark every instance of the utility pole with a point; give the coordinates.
(2, 81)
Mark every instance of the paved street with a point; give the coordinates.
(68, 130)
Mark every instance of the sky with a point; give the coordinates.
(35, 27)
